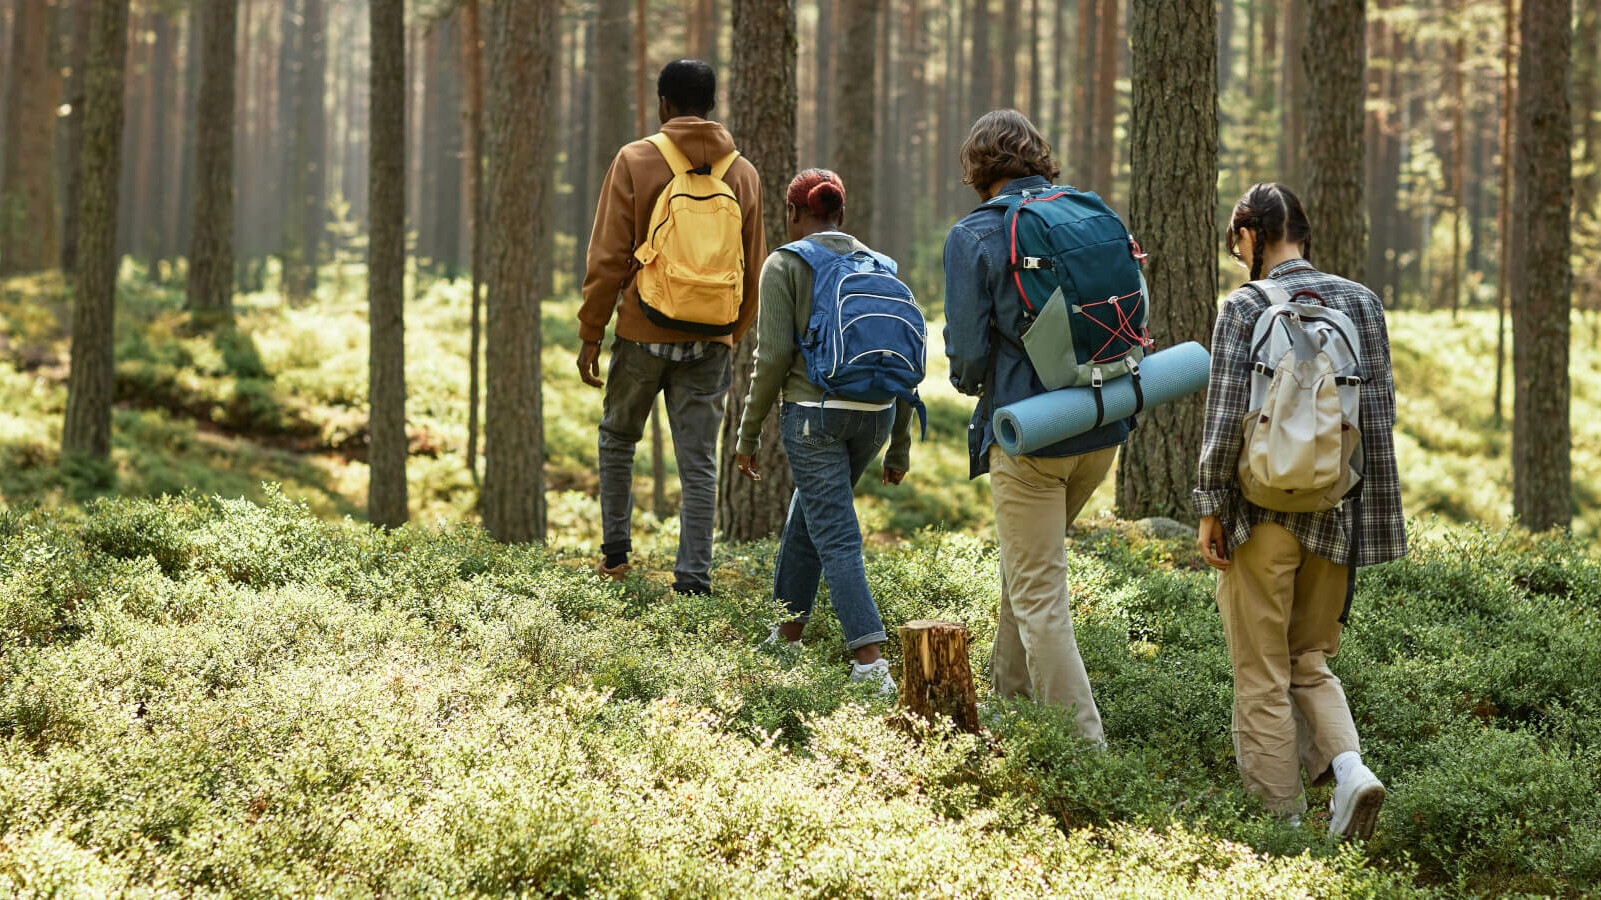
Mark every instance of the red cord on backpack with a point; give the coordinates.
(1017, 274)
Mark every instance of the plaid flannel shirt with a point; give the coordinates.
(1228, 395)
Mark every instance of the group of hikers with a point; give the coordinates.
(678, 232)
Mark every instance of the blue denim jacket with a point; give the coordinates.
(980, 298)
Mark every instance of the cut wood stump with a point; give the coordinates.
(936, 679)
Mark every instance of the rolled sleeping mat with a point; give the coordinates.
(1044, 419)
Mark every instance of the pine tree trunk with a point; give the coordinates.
(27, 183)
(1503, 275)
(614, 110)
(87, 429)
(856, 109)
(1292, 103)
(314, 125)
(1173, 198)
(183, 199)
(1458, 162)
(1225, 45)
(1105, 143)
(473, 118)
(154, 187)
(1006, 92)
(981, 83)
(1036, 106)
(1542, 486)
(583, 156)
(1587, 122)
(1084, 93)
(824, 42)
(762, 117)
(386, 266)
(73, 135)
(1337, 31)
(522, 79)
(1060, 130)
(211, 250)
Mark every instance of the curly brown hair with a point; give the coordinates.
(1004, 144)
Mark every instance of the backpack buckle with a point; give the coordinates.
(1033, 263)
(1095, 378)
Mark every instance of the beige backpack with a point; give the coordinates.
(1303, 444)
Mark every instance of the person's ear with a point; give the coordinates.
(842, 214)
(792, 211)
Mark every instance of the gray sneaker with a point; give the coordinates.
(878, 671)
(1354, 808)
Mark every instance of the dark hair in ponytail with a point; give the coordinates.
(1272, 213)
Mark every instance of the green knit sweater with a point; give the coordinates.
(785, 308)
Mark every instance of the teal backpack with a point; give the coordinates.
(1078, 271)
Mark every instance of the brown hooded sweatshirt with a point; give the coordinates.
(627, 198)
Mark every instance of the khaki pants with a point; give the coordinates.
(1281, 615)
(1035, 653)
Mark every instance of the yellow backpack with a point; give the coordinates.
(692, 264)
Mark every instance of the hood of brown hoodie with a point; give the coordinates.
(703, 141)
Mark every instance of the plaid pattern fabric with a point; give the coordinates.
(678, 351)
(1228, 396)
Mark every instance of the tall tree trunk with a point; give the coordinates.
(1503, 275)
(27, 183)
(73, 135)
(1542, 285)
(87, 429)
(981, 86)
(1036, 105)
(1105, 143)
(1084, 93)
(386, 266)
(856, 108)
(658, 443)
(522, 76)
(1292, 102)
(314, 126)
(1458, 160)
(473, 116)
(183, 197)
(582, 154)
(211, 252)
(1587, 116)
(1172, 202)
(154, 187)
(1006, 91)
(1225, 45)
(821, 98)
(289, 136)
(1336, 40)
(762, 101)
(1060, 131)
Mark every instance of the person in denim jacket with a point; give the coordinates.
(1036, 496)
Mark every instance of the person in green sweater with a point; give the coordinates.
(828, 448)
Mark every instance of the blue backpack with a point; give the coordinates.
(866, 339)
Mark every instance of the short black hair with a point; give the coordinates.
(689, 85)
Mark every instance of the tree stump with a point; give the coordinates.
(936, 679)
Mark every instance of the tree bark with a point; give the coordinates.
(386, 266)
(154, 186)
(1103, 151)
(1084, 93)
(980, 71)
(211, 248)
(762, 106)
(1335, 55)
(1006, 93)
(581, 152)
(1292, 103)
(1503, 275)
(936, 677)
(87, 429)
(1173, 198)
(824, 42)
(314, 126)
(522, 73)
(1542, 486)
(1587, 113)
(473, 118)
(73, 136)
(183, 198)
(857, 111)
(27, 183)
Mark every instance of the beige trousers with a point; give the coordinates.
(1281, 616)
(1035, 653)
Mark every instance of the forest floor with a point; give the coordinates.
(263, 696)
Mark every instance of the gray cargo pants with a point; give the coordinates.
(695, 393)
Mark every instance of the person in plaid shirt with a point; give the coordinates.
(1283, 591)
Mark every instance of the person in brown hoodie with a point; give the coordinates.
(693, 370)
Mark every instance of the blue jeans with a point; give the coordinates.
(829, 449)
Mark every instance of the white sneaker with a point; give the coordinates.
(1354, 808)
(878, 671)
(776, 642)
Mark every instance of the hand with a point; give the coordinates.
(746, 463)
(589, 364)
(893, 476)
(1213, 543)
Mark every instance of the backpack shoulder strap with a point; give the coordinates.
(815, 254)
(1274, 292)
(676, 160)
(721, 167)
